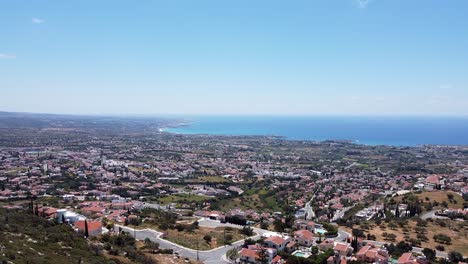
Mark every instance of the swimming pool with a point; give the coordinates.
(320, 230)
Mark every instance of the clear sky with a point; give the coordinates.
(306, 57)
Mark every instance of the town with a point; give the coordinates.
(235, 199)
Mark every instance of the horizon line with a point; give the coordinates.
(237, 115)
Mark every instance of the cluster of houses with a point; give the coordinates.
(305, 241)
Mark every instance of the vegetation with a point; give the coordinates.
(313, 259)
(27, 238)
(204, 238)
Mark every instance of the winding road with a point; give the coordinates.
(216, 255)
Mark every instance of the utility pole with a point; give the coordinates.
(198, 258)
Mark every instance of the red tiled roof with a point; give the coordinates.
(92, 225)
(341, 247)
(363, 250)
(406, 257)
(276, 239)
(94, 209)
(306, 234)
(245, 252)
(276, 259)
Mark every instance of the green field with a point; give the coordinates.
(183, 198)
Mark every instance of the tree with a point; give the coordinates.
(441, 238)
(153, 246)
(86, 229)
(450, 196)
(355, 244)
(263, 256)
(248, 231)
(279, 225)
(207, 238)
(391, 237)
(455, 256)
(249, 241)
(232, 254)
(320, 237)
(440, 248)
(228, 239)
(357, 232)
(429, 253)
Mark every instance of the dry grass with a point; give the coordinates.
(190, 239)
(457, 231)
(439, 196)
(171, 259)
(160, 258)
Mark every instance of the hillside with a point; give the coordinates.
(27, 238)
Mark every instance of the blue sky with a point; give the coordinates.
(304, 57)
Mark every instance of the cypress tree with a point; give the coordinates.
(86, 229)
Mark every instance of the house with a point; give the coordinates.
(408, 258)
(117, 215)
(48, 212)
(253, 255)
(277, 260)
(343, 249)
(371, 254)
(306, 225)
(291, 246)
(304, 238)
(276, 242)
(94, 227)
(326, 244)
(249, 255)
(91, 210)
(336, 259)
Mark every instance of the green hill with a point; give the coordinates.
(26, 238)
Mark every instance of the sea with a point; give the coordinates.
(394, 131)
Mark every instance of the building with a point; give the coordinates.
(276, 242)
(95, 228)
(343, 249)
(371, 254)
(408, 258)
(304, 238)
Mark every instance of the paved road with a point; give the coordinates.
(216, 255)
(342, 236)
(309, 210)
(340, 213)
(431, 214)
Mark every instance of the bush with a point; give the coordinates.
(166, 251)
(207, 238)
(455, 257)
(440, 248)
(248, 231)
(441, 238)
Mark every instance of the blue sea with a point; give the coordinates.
(396, 131)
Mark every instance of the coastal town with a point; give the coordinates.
(219, 199)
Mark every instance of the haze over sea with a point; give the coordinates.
(396, 131)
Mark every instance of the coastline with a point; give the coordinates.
(361, 131)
